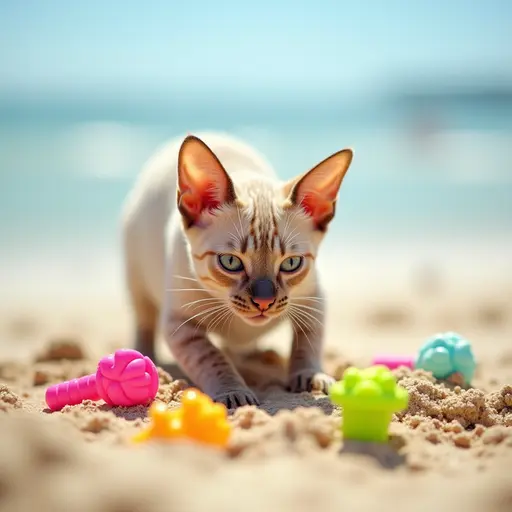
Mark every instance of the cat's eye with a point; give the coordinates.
(231, 263)
(291, 264)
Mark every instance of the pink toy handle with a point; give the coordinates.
(72, 392)
(394, 361)
(125, 378)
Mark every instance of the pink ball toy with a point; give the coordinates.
(124, 378)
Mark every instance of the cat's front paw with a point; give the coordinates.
(234, 398)
(310, 380)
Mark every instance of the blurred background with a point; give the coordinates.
(421, 90)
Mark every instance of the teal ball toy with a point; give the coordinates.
(445, 354)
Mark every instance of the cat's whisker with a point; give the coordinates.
(306, 314)
(240, 233)
(198, 301)
(300, 322)
(287, 314)
(304, 320)
(223, 319)
(310, 308)
(294, 242)
(186, 290)
(218, 319)
(213, 317)
(233, 238)
(290, 239)
(293, 315)
(307, 319)
(318, 299)
(213, 309)
(289, 235)
(186, 278)
(230, 322)
(196, 308)
(289, 220)
(215, 314)
(209, 315)
(286, 224)
(241, 225)
(308, 328)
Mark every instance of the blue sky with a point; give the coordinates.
(344, 46)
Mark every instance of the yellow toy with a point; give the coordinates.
(198, 419)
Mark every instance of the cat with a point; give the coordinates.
(215, 244)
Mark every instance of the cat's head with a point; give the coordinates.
(254, 244)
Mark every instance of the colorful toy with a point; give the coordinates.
(369, 398)
(198, 419)
(392, 361)
(444, 355)
(124, 378)
(447, 354)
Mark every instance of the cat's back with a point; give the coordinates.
(152, 200)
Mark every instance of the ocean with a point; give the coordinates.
(434, 176)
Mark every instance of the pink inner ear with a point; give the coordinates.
(315, 206)
(203, 197)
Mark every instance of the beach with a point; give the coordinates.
(451, 448)
(420, 245)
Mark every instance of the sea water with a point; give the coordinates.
(417, 180)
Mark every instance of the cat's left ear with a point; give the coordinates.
(203, 183)
(317, 190)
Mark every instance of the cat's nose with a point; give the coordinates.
(263, 293)
(263, 304)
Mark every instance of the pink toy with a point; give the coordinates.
(394, 361)
(124, 378)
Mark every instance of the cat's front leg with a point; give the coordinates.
(206, 365)
(305, 369)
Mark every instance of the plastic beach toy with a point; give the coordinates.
(392, 361)
(444, 355)
(369, 398)
(125, 378)
(198, 419)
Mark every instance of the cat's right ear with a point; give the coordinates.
(317, 190)
(203, 183)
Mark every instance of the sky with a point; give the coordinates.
(330, 45)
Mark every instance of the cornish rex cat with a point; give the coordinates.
(215, 243)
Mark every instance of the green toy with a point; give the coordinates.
(369, 398)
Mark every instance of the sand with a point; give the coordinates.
(452, 447)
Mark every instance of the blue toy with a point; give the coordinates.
(446, 354)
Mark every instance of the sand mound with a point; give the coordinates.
(450, 448)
